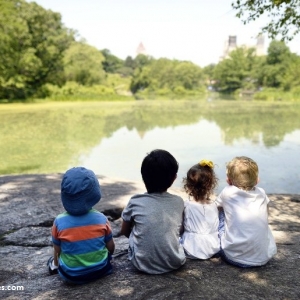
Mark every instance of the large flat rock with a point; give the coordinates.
(29, 203)
(34, 200)
(212, 279)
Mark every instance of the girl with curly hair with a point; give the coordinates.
(200, 221)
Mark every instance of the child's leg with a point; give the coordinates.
(229, 261)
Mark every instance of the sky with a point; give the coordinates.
(192, 30)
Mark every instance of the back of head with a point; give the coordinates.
(159, 169)
(80, 190)
(242, 171)
(200, 180)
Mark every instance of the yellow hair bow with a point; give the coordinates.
(207, 163)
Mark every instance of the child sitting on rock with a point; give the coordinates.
(201, 218)
(152, 220)
(81, 236)
(246, 239)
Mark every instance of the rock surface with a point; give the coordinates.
(29, 204)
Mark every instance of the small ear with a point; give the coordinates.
(257, 180)
(229, 181)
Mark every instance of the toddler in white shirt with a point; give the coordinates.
(246, 239)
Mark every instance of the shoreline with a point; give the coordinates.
(103, 179)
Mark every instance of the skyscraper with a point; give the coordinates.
(141, 49)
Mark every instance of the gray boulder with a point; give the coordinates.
(29, 204)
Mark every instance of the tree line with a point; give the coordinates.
(278, 69)
(41, 58)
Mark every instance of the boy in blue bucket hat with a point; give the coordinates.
(81, 236)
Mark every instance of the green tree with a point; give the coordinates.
(168, 75)
(83, 64)
(141, 61)
(278, 52)
(32, 45)
(284, 15)
(257, 70)
(188, 75)
(276, 66)
(236, 71)
(208, 73)
(291, 78)
(130, 63)
(111, 63)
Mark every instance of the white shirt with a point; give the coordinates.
(200, 237)
(247, 238)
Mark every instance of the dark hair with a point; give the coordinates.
(159, 169)
(200, 182)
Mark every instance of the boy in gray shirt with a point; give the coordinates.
(152, 220)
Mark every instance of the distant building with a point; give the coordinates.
(260, 44)
(141, 49)
(231, 44)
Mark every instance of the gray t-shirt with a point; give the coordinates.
(154, 240)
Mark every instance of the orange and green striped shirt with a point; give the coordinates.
(82, 240)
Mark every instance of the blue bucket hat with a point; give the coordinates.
(80, 190)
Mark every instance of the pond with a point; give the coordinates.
(112, 138)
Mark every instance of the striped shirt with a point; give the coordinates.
(82, 240)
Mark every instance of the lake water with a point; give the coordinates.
(112, 139)
(121, 154)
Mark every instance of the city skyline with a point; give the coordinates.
(176, 29)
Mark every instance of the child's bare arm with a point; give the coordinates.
(110, 245)
(56, 253)
(181, 229)
(126, 228)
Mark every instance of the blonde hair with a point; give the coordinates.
(242, 171)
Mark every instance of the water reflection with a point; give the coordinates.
(121, 154)
(113, 138)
